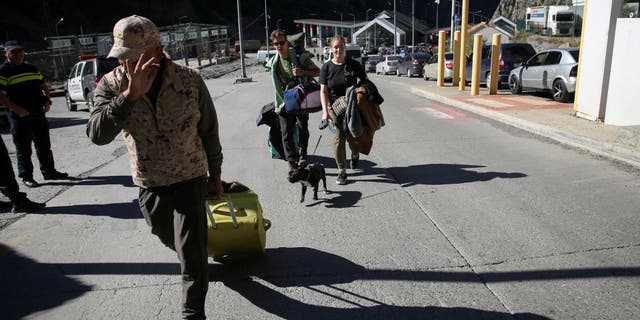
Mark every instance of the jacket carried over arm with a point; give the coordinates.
(172, 141)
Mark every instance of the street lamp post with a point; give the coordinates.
(60, 48)
(395, 28)
(353, 27)
(242, 67)
(413, 26)
(266, 27)
(366, 18)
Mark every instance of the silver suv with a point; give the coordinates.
(84, 77)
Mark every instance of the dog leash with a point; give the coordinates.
(317, 143)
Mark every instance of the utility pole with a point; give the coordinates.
(242, 66)
(453, 22)
(395, 28)
(413, 26)
(60, 49)
(266, 27)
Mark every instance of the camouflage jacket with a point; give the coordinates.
(173, 141)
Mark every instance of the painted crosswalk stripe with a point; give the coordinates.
(435, 113)
(532, 101)
(490, 103)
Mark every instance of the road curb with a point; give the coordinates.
(610, 150)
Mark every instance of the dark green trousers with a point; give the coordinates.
(176, 214)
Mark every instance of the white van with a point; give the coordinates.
(263, 56)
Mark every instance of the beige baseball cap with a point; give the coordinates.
(132, 36)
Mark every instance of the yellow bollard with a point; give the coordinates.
(463, 44)
(456, 59)
(477, 63)
(442, 38)
(495, 60)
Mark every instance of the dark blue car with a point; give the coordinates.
(511, 56)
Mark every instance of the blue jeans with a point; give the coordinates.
(33, 128)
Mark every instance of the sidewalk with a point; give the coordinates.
(541, 115)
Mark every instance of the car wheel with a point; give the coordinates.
(514, 85)
(560, 92)
(71, 106)
(425, 77)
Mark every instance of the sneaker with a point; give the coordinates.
(342, 177)
(27, 206)
(55, 175)
(354, 161)
(29, 182)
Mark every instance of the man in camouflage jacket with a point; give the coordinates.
(170, 127)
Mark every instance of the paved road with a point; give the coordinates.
(451, 216)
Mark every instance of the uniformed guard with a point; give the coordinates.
(24, 91)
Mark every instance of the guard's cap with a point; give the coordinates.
(132, 36)
(12, 45)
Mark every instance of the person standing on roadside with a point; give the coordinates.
(170, 128)
(286, 68)
(24, 91)
(336, 76)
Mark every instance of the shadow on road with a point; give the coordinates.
(124, 210)
(55, 123)
(125, 181)
(29, 287)
(431, 174)
(42, 286)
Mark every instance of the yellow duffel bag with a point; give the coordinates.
(235, 225)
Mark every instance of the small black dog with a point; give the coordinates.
(310, 176)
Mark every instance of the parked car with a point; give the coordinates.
(412, 64)
(430, 69)
(370, 63)
(511, 55)
(83, 78)
(388, 64)
(553, 70)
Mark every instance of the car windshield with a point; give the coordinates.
(575, 54)
(522, 52)
(420, 57)
(448, 56)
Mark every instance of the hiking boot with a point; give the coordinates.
(29, 182)
(27, 206)
(354, 161)
(342, 177)
(55, 175)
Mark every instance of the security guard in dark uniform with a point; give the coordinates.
(23, 90)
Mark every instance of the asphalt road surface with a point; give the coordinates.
(451, 216)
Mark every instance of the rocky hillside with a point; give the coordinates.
(515, 9)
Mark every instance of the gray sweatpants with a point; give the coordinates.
(176, 214)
